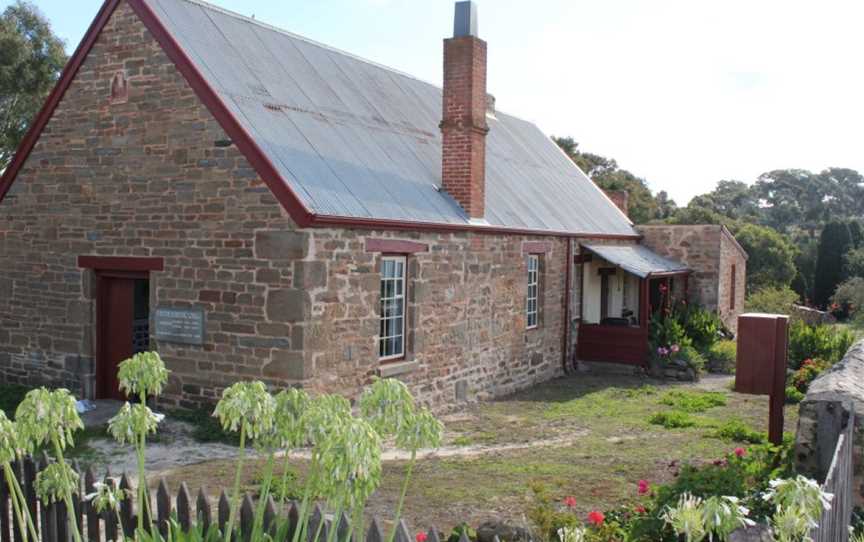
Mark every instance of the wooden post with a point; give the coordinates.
(644, 309)
(761, 366)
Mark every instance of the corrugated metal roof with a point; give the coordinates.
(637, 259)
(355, 139)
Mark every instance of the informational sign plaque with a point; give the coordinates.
(181, 325)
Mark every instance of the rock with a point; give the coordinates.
(488, 530)
(757, 533)
(688, 375)
(812, 316)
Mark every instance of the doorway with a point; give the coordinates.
(122, 325)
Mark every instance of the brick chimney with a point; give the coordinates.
(621, 199)
(463, 126)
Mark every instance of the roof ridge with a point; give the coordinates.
(262, 24)
(225, 11)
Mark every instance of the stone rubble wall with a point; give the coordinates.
(830, 401)
(711, 251)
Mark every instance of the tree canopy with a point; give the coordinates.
(605, 172)
(31, 58)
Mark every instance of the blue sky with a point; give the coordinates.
(682, 93)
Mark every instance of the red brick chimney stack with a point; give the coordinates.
(463, 126)
(621, 199)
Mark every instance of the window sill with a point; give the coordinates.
(391, 369)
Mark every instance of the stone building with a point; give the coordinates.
(718, 263)
(254, 205)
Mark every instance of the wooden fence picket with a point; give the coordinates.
(163, 507)
(293, 519)
(92, 532)
(202, 510)
(127, 514)
(402, 532)
(184, 507)
(247, 517)
(375, 533)
(270, 516)
(224, 510)
(5, 510)
(109, 518)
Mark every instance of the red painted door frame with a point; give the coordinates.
(114, 321)
(115, 286)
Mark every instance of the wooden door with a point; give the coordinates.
(114, 332)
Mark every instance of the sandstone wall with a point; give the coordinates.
(138, 177)
(466, 325)
(711, 251)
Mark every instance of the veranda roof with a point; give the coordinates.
(638, 260)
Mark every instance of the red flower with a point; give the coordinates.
(596, 518)
(639, 509)
(421, 537)
(570, 501)
(643, 487)
(740, 452)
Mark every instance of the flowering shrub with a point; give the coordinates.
(826, 342)
(722, 356)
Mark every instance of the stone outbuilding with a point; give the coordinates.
(255, 205)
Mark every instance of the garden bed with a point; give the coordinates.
(588, 436)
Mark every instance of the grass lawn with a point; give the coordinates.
(587, 435)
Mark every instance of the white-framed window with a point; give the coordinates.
(531, 307)
(391, 342)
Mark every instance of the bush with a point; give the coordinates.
(741, 476)
(738, 431)
(850, 295)
(722, 356)
(793, 396)
(10, 396)
(702, 327)
(823, 341)
(693, 401)
(692, 357)
(672, 420)
(772, 300)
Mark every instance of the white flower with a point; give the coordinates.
(571, 534)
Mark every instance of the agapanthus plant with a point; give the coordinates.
(11, 448)
(572, 534)
(50, 417)
(799, 503)
(290, 426)
(351, 457)
(388, 406)
(288, 432)
(686, 518)
(323, 416)
(722, 516)
(247, 408)
(107, 497)
(141, 376)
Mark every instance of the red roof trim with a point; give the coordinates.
(395, 246)
(226, 119)
(122, 263)
(257, 159)
(66, 77)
